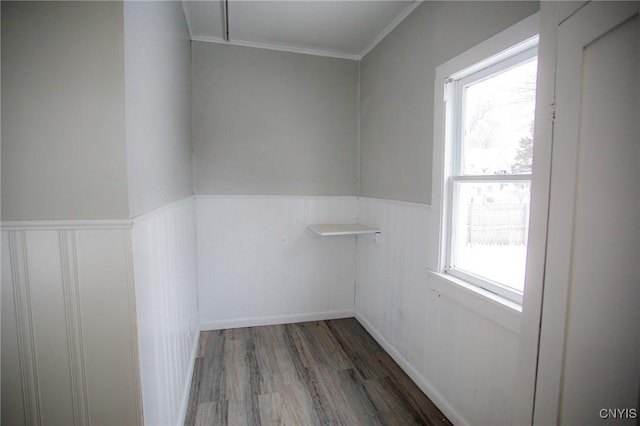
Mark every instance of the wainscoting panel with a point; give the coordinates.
(107, 312)
(463, 360)
(258, 264)
(17, 406)
(43, 295)
(68, 325)
(164, 258)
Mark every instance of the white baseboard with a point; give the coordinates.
(426, 387)
(184, 406)
(277, 319)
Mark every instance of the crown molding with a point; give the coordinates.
(392, 25)
(276, 47)
(315, 52)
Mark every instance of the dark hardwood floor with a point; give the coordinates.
(313, 373)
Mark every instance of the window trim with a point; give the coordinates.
(454, 90)
(500, 52)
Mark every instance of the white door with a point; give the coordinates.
(589, 365)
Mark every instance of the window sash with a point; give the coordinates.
(495, 287)
(454, 91)
(456, 87)
(473, 75)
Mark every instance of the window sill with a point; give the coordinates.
(491, 306)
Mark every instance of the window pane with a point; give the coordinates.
(498, 117)
(491, 221)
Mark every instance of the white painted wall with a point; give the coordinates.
(73, 322)
(397, 89)
(159, 159)
(157, 80)
(63, 136)
(258, 263)
(68, 325)
(164, 259)
(273, 123)
(458, 347)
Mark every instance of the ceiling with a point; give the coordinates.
(343, 29)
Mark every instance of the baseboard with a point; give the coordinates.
(411, 371)
(277, 319)
(184, 406)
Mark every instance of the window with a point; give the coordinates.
(488, 135)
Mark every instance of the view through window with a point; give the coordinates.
(493, 114)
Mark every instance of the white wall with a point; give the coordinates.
(273, 123)
(98, 97)
(159, 158)
(158, 104)
(461, 348)
(63, 136)
(458, 347)
(68, 325)
(96, 106)
(397, 89)
(74, 322)
(164, 257)
(258, 263)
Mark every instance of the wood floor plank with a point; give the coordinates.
(196, 378)
(332, 397)
(357, 347)
(242, 378)
(358, 399)
(350, 405)
(211, 413)
(410, 392)
(272, 409)
(267, 359)
(324, 346)
(390, 404)
(211, 342)
(213, 374)
(293, 382)
(279, 408)
(301, 362)
(315, 373)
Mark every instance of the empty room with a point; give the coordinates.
(320, 212)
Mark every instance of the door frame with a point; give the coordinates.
(545, 305)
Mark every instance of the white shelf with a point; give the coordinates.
(333, 229)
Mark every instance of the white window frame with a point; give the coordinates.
(512, 46)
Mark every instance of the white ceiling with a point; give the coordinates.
(343, 29)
